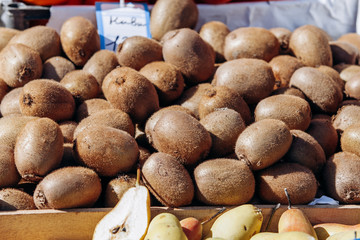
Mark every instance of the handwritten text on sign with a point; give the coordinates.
(115, 24)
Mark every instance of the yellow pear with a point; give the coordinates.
(324, 230)
(129, 219)
(165, 226)
(282, 236)
(347, 235)
(239, 223)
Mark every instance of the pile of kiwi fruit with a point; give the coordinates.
(211, 117)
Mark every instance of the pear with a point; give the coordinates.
(239, 223)
(324, 230)
(165, 226)
(130, 217)
(282, 236)
(347, 235)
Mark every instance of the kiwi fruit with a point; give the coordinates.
(116, 188)
(318, 87)
(224, 181)
(310, 45)
(299, 181)
(10, 102)
(341, 177)
(45, 40)
(347, 71)
(114, 118)
(333, 74)
(19, 64)
(322, 130)
(179, 44)
(182, 136)
(235, 74)
(167, 79)
(283, 36)
(350, 140)
(68, 158)
(4, 89)
(14, 199)
(68, 129)
(68, 187)
(56, 68)
(167, 15)
(79, 39)
(352, 87)
(128, 90)
(47, 98)
(346, 116)
(306, 151)
(218, 97)
(100, 64)
(352, 38)
(82, 85)
(107, 150)
(168, 180)
(224, 126)
(214, 33)
(9, 176)
(191, 97)
(283, 67)
(6, 35)
(144, 154)
(289, 91)
(38, 148)
(91, 106)
(292, 110)
(137, 51)
(344, 52)
(263, 143)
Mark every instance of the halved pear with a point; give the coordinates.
(129, 219)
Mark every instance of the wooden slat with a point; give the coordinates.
(76, 224)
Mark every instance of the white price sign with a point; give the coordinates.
(116, 23)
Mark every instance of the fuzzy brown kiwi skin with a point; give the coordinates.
(14, 199)
(10, 103)
(117, 187)
(89, 107)
(4, 89)
(283, 67)
(9, 176)
(283, 36)
(57, 67)
(346, 116)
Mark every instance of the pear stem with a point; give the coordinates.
(288, 197)
(138, 173)
(277, 206)
(214, 216)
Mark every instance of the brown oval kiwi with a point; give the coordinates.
(352, 38)
(107, 150)
(235, 74)
(333, 74)
(82, 85)
(251, 42)
(214, 33)
(218, 97)
(6, 35)
(79, 39)
(10, 103)
(114, 118)
(137, 51)
(352, 87)
(167, 15)
(47, 98)
(182, 43)
(350, 139)
(168, 180)
(325, 134)
(224, 181)
(306, 151)
(263, 143)
(116, 188)
(283, 67)
(224, 126)
(91, 106)
(345, 117)
(167, 79)
(283, 36)
(9, 176)
(14, 199)
(182, 136)
(310, 45)
(69, 187)
(68, 129)
(100, 64)
(344, 52)
(341, 177)
(299, 181)
(131, 92)
(4, 89)
(38, 149)
(319, 87)
(56, 68)
(289, 91)
(19, 64)
(347, 71)
(292, 110)
(45, 40)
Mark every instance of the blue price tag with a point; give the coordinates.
(116, 23)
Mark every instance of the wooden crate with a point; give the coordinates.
(76, 224)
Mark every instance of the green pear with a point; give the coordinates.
(282, 236)
(165, 226)
(347, 235)
(239, 223)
